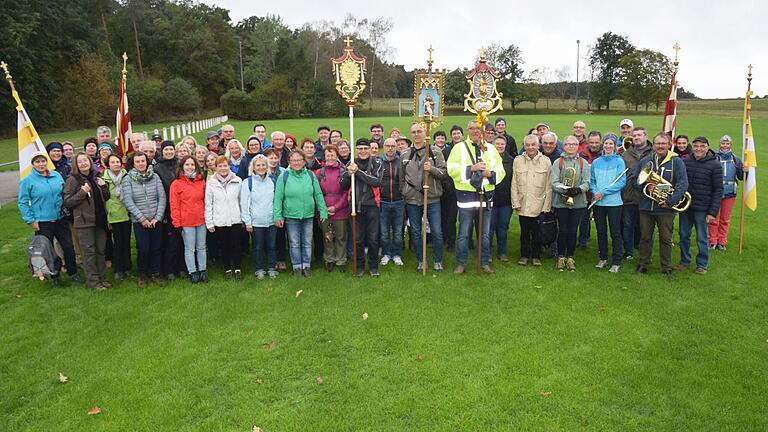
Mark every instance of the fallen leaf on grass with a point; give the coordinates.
(420, 357)
(319, 380)
(537, 286)
(63, 378)
(269, 290)
(18, 295)
(298, 293)
(256, 429)
(546, 393)
(270, 345)
(365, 316)
(250, 333)
(601, 308)
(259, 381)
(625, 288)
(94, 410)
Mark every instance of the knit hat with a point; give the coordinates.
(611, 136)
(105, 145)
(167, 143)
(54, 145)
(726, 138)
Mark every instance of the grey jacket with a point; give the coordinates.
(632, 159)
(412, 175)
(144, 200)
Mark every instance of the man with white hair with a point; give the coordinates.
(278, 143)
(148, 148)
(227, 134)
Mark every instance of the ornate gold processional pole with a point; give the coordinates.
(428, 96)
(349, 70)
(482, 99)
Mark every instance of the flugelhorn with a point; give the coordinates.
(569, 181)
(626, 143)
(663, 189)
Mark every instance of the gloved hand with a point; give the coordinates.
(574, 191)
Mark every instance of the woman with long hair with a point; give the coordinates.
(187, 201)
(117, 216)
(607, 179)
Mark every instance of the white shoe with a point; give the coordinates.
(385, 260)
(601, 264)
(397, 260)
(614, 269)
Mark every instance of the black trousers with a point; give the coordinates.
(229, 240)
(173, 250)
(368, 236)
(448, 213)
(530, 237)
(61, 231)
(121, 252)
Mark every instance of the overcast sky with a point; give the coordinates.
(718, 39)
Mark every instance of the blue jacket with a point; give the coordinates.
(672, 169)
(604, 171)
(256, 201)
(41, 197)
(733, 171)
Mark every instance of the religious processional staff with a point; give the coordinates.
(475, 167)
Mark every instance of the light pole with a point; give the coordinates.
(577, 73)
(242, 82)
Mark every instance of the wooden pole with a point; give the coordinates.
(743, 154)
(480, 213)
(425, 189)
(354, 205)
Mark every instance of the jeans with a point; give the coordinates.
(500, 216)
(608, 218)
(466, 218)
(194, 247)
(121, 253)
(392, 227)
(530, 237)
(149, 248)
(630, 216)
(367, 236)
(264, 238)
(415, 214)
(585, 227)
(299, 241)
(568, 220)
(688, 220)
(60, 230)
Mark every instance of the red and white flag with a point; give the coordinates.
(670, 110)
(123, 122)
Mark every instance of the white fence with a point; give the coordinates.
(183, 129)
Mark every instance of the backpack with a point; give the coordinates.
(42, 260)
(548, 228)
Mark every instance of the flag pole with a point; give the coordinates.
(743, 158)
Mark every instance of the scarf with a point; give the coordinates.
(224, 180)
(98, 200)
(138, 177)
(117, 180)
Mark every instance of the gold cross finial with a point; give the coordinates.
(430, 53)
(676, 47)
(125, 59)
(748, 67)
(482, 53)
(749, 73)
(348, 41)
(4, 66)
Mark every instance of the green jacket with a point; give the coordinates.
(116, 211)
(581, 181)
(297, 195)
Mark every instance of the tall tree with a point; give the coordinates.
(605, 56)
(507, 62)
(645, 75)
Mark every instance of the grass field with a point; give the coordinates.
(524, 349)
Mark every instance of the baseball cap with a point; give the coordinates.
(627, 122)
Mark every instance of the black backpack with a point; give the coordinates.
(548, 228)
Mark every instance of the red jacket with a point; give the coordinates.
(187, 198)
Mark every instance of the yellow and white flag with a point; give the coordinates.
(750, 161)
(29, 140)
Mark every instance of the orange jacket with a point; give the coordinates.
(187, 198)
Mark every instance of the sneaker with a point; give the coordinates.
(536, 262)
(297, 272)
(259, 274)
(459, 269)
(228, 275)
(438, 267)
(503, 258)
(272, 273)
(203, 276)
(397, 260)
(170, 276)
(420, 267)
(683, 266)
(75, 278)
(487, 269)
(720, 247)
(701, 271)
(712, 247)
(142, 282)
(668, 272)
(385, 260)
(375, 273)
(360, 273)
(601, 264)
(628, 257)
(156, 278)
(560, 265)
(238, 274)
(614, 269)
(570, 264)
(522, 261)
(306, 272)
(194, 277)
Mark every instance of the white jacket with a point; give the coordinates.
(222, 203)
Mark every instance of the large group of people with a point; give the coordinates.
(286, 200)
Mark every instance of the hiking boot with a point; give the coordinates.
(297, 272)
(503, 258)
(170, 276)
(720, 247)
(194, 277)
(203, 276)
(641, 269)
(55, 281)
(329, 267)
(385, 260)
(522, 261)
(536, 262)
(683, 266)
(75, 278)
(701, 271)
(272, 273)
(570, 264)
(487, 269)
(306, 272)
(601, 264)
(156, 278)
(397, 260)
(560, 265)
(142, 282)
(459, 269)
(259, 274)
(614, 269)
(228, 275)
(438, 267)
(238, 274)
(375, 273)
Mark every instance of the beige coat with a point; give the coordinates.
(531, 189)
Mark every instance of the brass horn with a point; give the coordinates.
(662, 190)
(626, 143)
(569, 181)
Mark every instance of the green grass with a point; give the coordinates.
(524, 349)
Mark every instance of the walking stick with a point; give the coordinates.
(425, 190)
(353, 214)
(480, 215)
